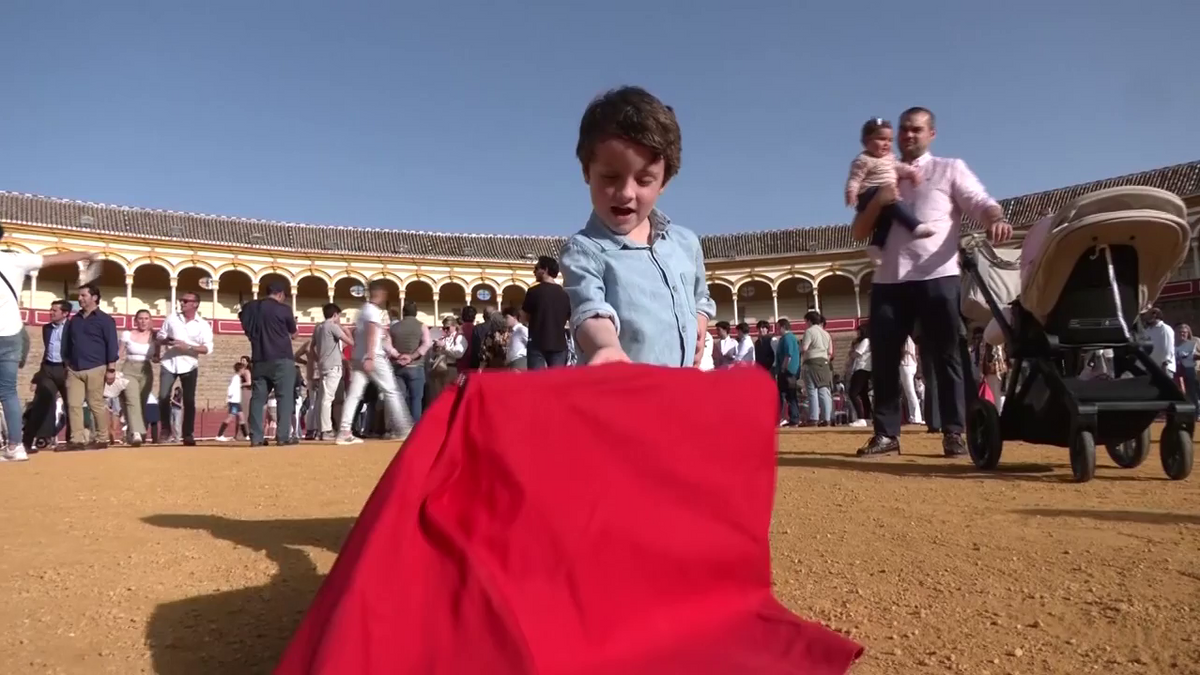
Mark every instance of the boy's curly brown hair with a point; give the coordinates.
(636, 115)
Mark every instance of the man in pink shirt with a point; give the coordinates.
(918, 280)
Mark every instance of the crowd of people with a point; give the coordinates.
(634, 290)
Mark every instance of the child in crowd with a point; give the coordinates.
(235, 418)
(874, 168)
(635, 279)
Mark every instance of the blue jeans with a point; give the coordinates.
(412, 379)
(818, 394)
(10, 358)
(537, 360)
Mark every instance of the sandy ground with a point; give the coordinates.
(196, 561)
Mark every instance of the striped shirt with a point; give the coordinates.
(867, 171)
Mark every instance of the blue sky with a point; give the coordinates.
(462, 116)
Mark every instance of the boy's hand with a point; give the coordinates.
(608, 355)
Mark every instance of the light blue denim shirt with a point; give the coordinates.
(652, 293)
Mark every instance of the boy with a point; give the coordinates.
(635, 279)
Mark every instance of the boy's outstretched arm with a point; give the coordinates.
(706, 307)
(593, 320)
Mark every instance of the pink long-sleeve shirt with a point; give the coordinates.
(948, 190)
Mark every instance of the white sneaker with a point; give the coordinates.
(222, 439)
(14, 454)
(858, 423)
(347, 439)
(875, 254)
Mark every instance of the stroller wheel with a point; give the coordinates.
(1083, 456)
(984, 441)
(1131, 453)
(1175, 446)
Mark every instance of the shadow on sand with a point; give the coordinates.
(245, 630)
(892, 466)
(1140, 517)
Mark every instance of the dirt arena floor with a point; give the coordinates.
(200, 561)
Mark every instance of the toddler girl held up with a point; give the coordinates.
(874, 168)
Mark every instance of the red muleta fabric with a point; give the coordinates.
(579, 521)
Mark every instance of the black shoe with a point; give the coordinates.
(258, 444)
(953, 445)
(294, 441)
(189, 441)
(97, 445)
(880, 445)
(71, 447)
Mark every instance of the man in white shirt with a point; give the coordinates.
(518, 340)
(745, 345)
(186, 336)
(14, 340)
(370, 363)
(918, 280)
(1162, 341)
(726, 346)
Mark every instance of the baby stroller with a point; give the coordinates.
(1105, 258)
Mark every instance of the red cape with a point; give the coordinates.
(579, 521)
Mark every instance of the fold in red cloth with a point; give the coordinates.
(581, 521)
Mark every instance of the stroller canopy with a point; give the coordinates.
(1153, 221)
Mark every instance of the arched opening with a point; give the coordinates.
(152, 289)
(111, 283)
(795, 298)
(864, 294)
(344, 296)
(392, 306)
(421, 293)
(312, 294)
(723, 296)
(837, 297)
(192, 280)
(265, 281)
(234, 289)
(56, 283)
(512, 296)
(755, 302)
(484, 297)
(451, 298)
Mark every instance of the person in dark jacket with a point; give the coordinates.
(90, 352)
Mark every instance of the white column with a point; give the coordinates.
(1195, 259)
(129, 294)
(292, 290)
(735, 310)
(437, 316)
(857, 302)
(775, 300)
(32, 290)
(216, 285)
(174, 283)
(330, 293)
(816, 298)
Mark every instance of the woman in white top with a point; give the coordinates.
(859, 365)
(908, 371)
(137, 346)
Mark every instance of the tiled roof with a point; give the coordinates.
(1182, 179)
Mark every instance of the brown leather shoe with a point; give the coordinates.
(953, 445)
(880, 445)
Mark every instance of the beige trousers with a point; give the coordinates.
(87, 384)
(141, 382)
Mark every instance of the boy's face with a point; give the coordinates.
(625, 181)
(879, 143)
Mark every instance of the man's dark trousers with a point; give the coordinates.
(278, 375)
(895, 308)
(42, 421)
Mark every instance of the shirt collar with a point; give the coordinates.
(923, 159)
(660, 227)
